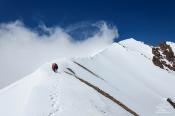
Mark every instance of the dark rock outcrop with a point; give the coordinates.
(164, 56)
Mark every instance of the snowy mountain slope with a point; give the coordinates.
(137, 46)
(123, 71)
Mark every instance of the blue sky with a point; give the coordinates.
(44, 30)
(151, 21)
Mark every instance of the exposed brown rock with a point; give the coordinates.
(157, 62)
(161, 53)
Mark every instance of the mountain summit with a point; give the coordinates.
(121, 80)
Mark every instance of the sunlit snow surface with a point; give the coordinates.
(126, 72)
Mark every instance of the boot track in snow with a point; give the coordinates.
(105, 94)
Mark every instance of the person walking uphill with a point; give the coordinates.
(54, 67)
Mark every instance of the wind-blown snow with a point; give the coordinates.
(124, 70)
(23, 49)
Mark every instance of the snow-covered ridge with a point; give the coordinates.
(121, 75)
(137, 46)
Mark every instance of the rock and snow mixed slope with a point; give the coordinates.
(89, 86)
(164, 56)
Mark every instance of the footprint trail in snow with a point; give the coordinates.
(54, 97)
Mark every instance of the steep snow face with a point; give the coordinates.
(122, 73)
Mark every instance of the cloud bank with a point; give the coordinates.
(23, 50)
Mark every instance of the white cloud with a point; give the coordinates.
(23, 50)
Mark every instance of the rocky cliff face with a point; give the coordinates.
(164, 56)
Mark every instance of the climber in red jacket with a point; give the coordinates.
(54, 67)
